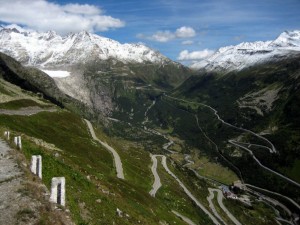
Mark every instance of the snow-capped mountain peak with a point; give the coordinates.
(246, 54)
(287, 39)
(49, 49)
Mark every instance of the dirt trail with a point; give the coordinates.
(12, 201)
(26, 111)
(117, 159)
(24, 200)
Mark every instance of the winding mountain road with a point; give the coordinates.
(274, 193)
(117, 159)
(191, 196)
(184, 218)
(212, 206)
(238, 144)
(217, 148)
(220, 202)
(156, 184)
(272, 149)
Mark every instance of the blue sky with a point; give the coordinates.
(170, 26)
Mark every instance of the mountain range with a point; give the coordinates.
(49, 49)
(247, 54)
(73, 59)
(234, 115)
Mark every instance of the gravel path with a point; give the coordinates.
(117, 159)
(11, 185)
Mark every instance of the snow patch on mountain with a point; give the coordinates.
(249, 53)
(57, 73)
(50, 50)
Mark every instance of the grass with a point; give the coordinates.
(25, 214)
(222, 214)
(20, 103)
(294, 173)
(3, 90)
(259, 214)
(214, 170)
(81, 157)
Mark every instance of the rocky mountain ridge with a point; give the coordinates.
(49, 49)
(247, 54)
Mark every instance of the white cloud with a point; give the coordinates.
(185, 55)
(159, 36)
(163, 36)
(42, 15)
(187, 42)
(82, 9)
(166, 35)
(185, 32)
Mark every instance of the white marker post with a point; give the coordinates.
(36, 165)
(6, 134)
(18, 142)
(58, 190)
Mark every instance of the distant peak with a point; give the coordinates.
(14, 27)
(249, 53)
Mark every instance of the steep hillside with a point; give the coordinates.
(36, 81)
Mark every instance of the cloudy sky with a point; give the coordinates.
(183, 30)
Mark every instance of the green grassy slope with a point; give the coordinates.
(93, 191)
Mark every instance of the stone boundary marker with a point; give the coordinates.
(36, 165)
(58, 190)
